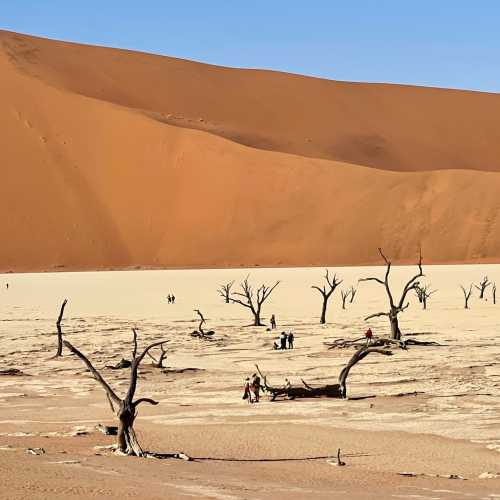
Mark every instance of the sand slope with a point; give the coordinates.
(116, 159)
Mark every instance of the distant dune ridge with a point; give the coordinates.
(118, 159)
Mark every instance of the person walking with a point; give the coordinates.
(283, 339)
(173, 299)
(273, 322)
(246, 391)
(169, 299)
(291, 338)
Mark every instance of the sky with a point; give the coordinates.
(440, 43)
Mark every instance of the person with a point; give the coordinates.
(288, 385)
(173, 299)
(283, 340)
(290, 340)
(273, 322)
(368, 336)
(246, 391)
(256, 387)
(7, 285)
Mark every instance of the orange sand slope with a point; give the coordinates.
(112, 158)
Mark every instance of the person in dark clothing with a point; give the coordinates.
(273, 322)
(290, 340)
(283, 340)
(169, 298)
(173, 299)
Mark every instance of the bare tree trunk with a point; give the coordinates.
(395, 331)
(323, 310)
(59, 329)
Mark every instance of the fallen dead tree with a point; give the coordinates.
(158, 363)
(126, 408)
(338, 390)
(361, 342)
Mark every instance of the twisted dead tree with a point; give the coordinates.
(344, 295)
(201, 333)
(483, 285)
(423, 293)
(338, 390)
(395, 307)
(158, 363)
(494, 293)
(354, 291)
(467, 294)
(225, 291)
(126, 408)
(326, 292)
(252, 300)
(59, 329)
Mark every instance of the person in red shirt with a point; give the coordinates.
(369, 336)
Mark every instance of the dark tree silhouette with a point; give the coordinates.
(326, 292)
(494, 293)
(59, 329)
(395, 307)
(467, 294)
(158, 363)
(225, 291)
(126, 408)
(354, 291)
(423, 293)
(483, 285)
(344, 294)
(252, 300)
(201, 333)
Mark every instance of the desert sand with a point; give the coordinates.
(430, 411)
(114, 159)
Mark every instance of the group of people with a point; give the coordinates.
(252, 389)
(171, 298)
(285, 339)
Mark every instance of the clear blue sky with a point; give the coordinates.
(444, 43)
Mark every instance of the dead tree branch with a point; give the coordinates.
(225, 291)
(395, 307)
(483, 285)
(467, 294)
(344, 295)
(126, 408)
(201, 333)
(252, 300)
(59, 329)
(326, 292)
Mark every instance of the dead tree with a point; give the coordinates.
(326, 292)
(423, 293)
(225, 291)
(395, 307)
(467, 294)
(354, 291)
(253, 300)
(59, 329)
(345, 295)
(483, 285)
(201, 333)
(126, 408)
(338, 390)
(494, 293)
(158, 363)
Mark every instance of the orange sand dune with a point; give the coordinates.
(102, 165)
